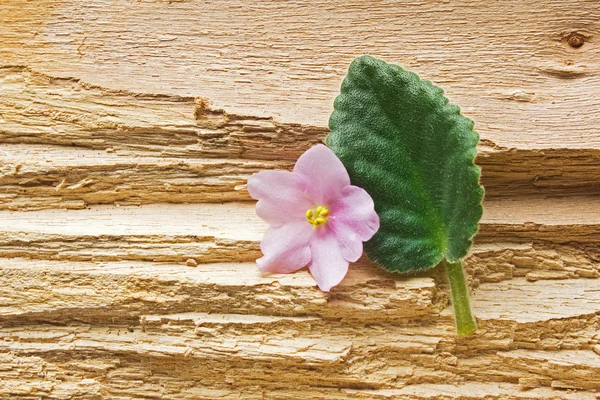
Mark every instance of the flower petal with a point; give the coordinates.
(348, 239)
(280, 196)
(327, 266)
(286, 248)
(355, 209)
(324, 173)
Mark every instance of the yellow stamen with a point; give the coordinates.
(317, 216)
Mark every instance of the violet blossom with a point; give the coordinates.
(315, 216)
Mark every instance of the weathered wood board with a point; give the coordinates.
(127, 236)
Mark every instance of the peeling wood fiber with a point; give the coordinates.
(128, 131)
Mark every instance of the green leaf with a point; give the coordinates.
(402, 141)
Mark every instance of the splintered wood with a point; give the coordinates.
(128, 238)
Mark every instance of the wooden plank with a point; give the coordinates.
(508, 65)
(115, 291)
(232, 231)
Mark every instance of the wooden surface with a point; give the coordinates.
(128, 130)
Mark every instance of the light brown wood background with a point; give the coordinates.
(127, 237)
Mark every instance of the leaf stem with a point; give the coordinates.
(463, 316)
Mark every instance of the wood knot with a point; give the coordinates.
(201, 107)
(575, 40)
(191, 262)
(208, 117)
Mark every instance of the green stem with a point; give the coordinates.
(463, 317)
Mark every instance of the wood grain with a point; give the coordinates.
(128, 131)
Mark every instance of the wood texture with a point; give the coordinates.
(128, 131)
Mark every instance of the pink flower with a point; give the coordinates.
(315, 216)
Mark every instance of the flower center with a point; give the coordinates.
(317, 216)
